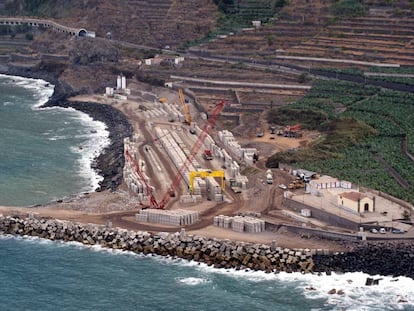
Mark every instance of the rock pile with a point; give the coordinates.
(213, 252)
(384, 258)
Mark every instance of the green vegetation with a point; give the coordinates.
(237, 14)
(391, 70)
(362, 125)
(28, 36)
(348, 8)
(309, 119)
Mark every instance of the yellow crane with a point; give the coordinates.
(204, 174)
(187, 114)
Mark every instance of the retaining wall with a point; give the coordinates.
(325, 216)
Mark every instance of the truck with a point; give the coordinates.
(269, 177)
(296, 184)
(207, 155)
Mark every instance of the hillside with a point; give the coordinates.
(155, 23)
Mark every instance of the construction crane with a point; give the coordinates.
(148, 189)
(179, 176)
(187, 114)
(204, 174)
(196, 147)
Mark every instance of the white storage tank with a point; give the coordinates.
(118, 82)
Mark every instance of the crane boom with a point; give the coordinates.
(187, 114)
(148, 189)
(179, 176)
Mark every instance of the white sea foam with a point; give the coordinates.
(392, 293)
(96, 140)
(192, 281)
(42, 89)
(96, 135)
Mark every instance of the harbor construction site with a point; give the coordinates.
(202, 166)
(184, 169)
(179, 162)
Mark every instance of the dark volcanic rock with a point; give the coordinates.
(385, 258)
(87, 50)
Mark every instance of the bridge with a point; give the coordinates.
(12, 21)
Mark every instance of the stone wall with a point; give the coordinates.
(213, 252)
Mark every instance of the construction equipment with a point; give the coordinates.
(204, 174)
(187, 114)
(179, 176)
(296, 184)
(207, 155)
(204, 132)
(235, 185)
(292, 131)
(148, 188)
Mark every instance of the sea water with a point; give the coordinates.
(38, 274)
(45, 154)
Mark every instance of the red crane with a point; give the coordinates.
(148, 188)
(179, 176)
(196, 147)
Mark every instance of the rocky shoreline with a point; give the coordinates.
(394, 258)
(110, 162)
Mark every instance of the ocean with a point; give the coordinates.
(46, 155)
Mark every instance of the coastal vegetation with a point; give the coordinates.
(366, 135)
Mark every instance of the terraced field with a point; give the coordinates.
(208, 81)
(309, 31)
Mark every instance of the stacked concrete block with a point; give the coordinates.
(175, 147)
(199, 186)
(234, 147)
(209, 143)
(203, 185)
(194, 198)
(227, 222)
(237, 224)
(173, 112)
(253, 225)
(135, 182)
(213, 190)
(171, 217)
(240, 223)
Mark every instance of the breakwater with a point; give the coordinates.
(394, 258)
(384, 258)
(213, 252)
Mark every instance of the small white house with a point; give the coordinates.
(356, 202)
